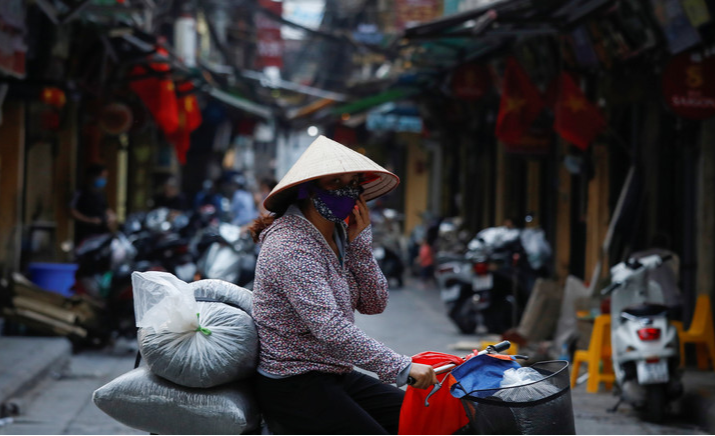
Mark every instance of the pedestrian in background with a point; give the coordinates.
(426, 259)
(265, 186)
(89, 206)
(170, 196)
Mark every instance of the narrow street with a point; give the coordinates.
(413, 322)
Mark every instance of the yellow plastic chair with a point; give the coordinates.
(701, 333)
(597, 357)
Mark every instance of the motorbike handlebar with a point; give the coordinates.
(491, 349)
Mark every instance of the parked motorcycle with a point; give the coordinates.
(486, 288)
(225, 253)
(645, 344)
(387, 245)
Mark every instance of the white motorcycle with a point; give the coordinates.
(645, 348)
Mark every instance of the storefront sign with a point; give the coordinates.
(270, 41)
(394, 123)
(471, 81)
(687, 84)
(409, 13)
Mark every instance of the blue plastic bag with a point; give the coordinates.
(481, 375)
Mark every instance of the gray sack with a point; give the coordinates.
(141, 400)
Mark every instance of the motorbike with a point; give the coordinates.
(224, 252)
(387, 245)
(645, 348)
(166, 243)
(486, 288)
(105, 265)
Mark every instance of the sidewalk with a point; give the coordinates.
(24, 361)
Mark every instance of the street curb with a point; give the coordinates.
(24, 361)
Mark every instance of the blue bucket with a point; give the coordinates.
(55, 277)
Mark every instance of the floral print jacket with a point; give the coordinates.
(304, 301)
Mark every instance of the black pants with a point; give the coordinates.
(322, 403)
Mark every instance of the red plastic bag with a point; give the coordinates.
(445, 414)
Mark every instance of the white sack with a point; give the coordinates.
(141, 400)
(196, 344)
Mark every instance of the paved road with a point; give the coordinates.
(413, 322)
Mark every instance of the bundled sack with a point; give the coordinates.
(198, 344)
(141, 400)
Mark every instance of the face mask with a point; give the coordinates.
(100, 183)
(337, 204)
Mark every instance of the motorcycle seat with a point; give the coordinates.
(646, 310)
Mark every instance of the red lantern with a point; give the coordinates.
(53, 96)
(157, 92)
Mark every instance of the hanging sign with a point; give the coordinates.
(409, 13)
(687, 84)
(679, 32)
(268, 33)
(471, 81)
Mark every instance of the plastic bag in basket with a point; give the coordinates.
(525, 385)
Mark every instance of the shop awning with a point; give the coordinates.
(455, 39)
(241, 103)
(393, 94)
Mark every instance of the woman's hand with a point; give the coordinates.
(424, 376)
(359, 219)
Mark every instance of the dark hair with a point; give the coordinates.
(270, 182)
(94, 170)
(265, 220)
(260, 224)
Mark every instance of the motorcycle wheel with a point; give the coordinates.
(655, 404)
(464, 315)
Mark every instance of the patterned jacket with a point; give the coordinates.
(304, 301)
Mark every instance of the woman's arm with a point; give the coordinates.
(371, 282)
(313, 300)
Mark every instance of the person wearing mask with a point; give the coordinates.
(313, 271)
(89, 206)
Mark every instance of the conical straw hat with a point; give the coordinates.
(325, 157)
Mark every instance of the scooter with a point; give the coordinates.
(645, 348)
(493, 274)
(226, 253)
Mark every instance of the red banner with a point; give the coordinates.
(268, 30)
(688, 85)
(521, 103)
(576, 119)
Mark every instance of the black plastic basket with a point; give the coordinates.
(541, 407)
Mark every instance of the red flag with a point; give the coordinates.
(576, 119)
(158, 94)
(520, 104)
(189, 119)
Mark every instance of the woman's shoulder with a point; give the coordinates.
(288, 229)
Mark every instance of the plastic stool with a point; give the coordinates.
(597, 357)
(700, 333)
